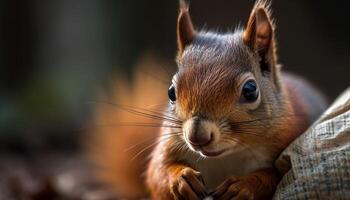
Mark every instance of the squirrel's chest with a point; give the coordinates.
(216, 170)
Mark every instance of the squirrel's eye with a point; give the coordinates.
(171, 93)
(250, 92)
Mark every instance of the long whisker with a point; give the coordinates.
(138, 111)
(166, 82)
(261, 136)
(259, 126)
(248, 132)
(151, 145)
(243, 144)
(264, 119)
(146, 125)
(159, 113)
(149, 139)
(162, 105)
(166, 69)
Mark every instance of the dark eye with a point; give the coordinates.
(250, 92)
(171, 93)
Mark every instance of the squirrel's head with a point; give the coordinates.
(227, 85)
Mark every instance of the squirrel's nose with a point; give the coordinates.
(200, 139)
(197, 132)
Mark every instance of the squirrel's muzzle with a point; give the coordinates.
(200, 132)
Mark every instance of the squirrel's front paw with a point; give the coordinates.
(237, 189)
(188, 184)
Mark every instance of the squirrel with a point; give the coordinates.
(231, 112)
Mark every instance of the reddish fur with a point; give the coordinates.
(116, 168)
(208, 86)
(206, 89)
(185, 32)
(108, 144)
(165, 167)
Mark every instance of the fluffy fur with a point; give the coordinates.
(118, 142)
(212, 70)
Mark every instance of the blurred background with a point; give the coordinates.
(56, 55)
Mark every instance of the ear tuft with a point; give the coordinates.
(185, 29)
(259, 36)
(260, 29)
(183, 4)
(264, 30)
(264, 4)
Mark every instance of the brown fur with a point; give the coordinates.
(212, 69)
(185, 31)
(111, 146)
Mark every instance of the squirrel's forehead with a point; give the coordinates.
(200, 89)
(213, 58)
(224, 53)
(209, 77)
(213, 67)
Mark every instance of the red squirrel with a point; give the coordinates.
(231, 112)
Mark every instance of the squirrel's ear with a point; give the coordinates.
(259, 33)
(185, 30)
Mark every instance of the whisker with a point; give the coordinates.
(160, 113)
(250, 133)
(146, 113)
(243, 144)
(151, 145)
(165, 82)
(166, 70)
(263, 119)
(136, 124)
(247, 132)
(153, 138)
(162, 105)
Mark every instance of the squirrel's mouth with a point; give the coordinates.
(207, 153)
